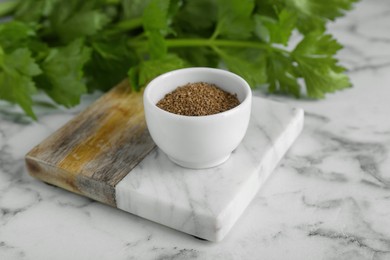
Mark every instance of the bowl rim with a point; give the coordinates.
(236, 109)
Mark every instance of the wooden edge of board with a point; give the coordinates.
(96, 149)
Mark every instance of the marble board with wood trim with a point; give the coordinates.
(106, 154)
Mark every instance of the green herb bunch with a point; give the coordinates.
(68, 48)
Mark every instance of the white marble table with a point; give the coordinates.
(328, 199)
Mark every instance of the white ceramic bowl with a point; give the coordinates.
(197, 141)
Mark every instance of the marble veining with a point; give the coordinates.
(206, 203)
(328, 199)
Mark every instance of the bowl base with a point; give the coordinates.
(200, 165)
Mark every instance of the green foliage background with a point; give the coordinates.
(67, 48)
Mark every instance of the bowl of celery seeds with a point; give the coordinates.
(197, 116)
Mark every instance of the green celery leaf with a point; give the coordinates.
(15, 34)
(62, 77)
(72, 19)
(140, 75)
(81, 24)
(133, 8)
(34, 10)
(260, 30)
(313, 14)
(156, 45)
(64, 10)
(193, 20)
(275, 30)
(109, 63)
(39, 49)
(249, 64)
(322, 74)
(199, 57)
(7, 8)
(307, 24)
(282, 77)
(173, 9)
(234, 18)
(330, 9)
(155, 17)
(155, 23)
(269, 8)
(319, 45)
(16, 85)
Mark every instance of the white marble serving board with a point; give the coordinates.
(207, 203)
